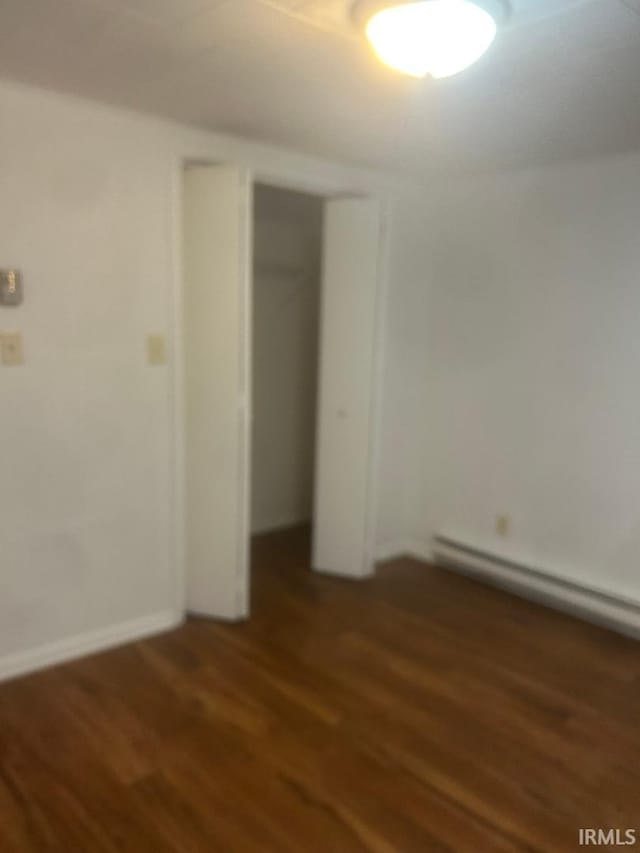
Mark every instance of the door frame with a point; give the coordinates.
(326, 189)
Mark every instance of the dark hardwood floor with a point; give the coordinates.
(419, 711)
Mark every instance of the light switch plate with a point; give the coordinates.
(156, 350)
(11, 292)
(12, 349)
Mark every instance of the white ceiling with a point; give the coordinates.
(553, 86)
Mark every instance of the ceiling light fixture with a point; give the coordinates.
(430, 37)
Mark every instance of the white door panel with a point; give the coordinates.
(344, 504)
(216, 252)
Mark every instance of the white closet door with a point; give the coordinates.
(216, 252)
(344, 504)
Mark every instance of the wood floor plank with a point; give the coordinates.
(417, 711)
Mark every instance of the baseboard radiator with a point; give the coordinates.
(616, 612)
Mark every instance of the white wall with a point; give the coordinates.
(522, 350)
(287, 240)
(510, 369)
(84, 467)
(86, 427)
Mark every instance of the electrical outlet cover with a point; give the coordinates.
(502, 525)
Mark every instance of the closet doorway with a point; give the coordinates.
(287, 256)
(281, 332)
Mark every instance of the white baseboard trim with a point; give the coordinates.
(345, 576)
(60, 651)
(389, 551)
(614, 612)
(413, 548)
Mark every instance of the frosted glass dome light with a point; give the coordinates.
(430, 37)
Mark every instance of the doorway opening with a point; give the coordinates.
(286, 299)
(315, 408)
